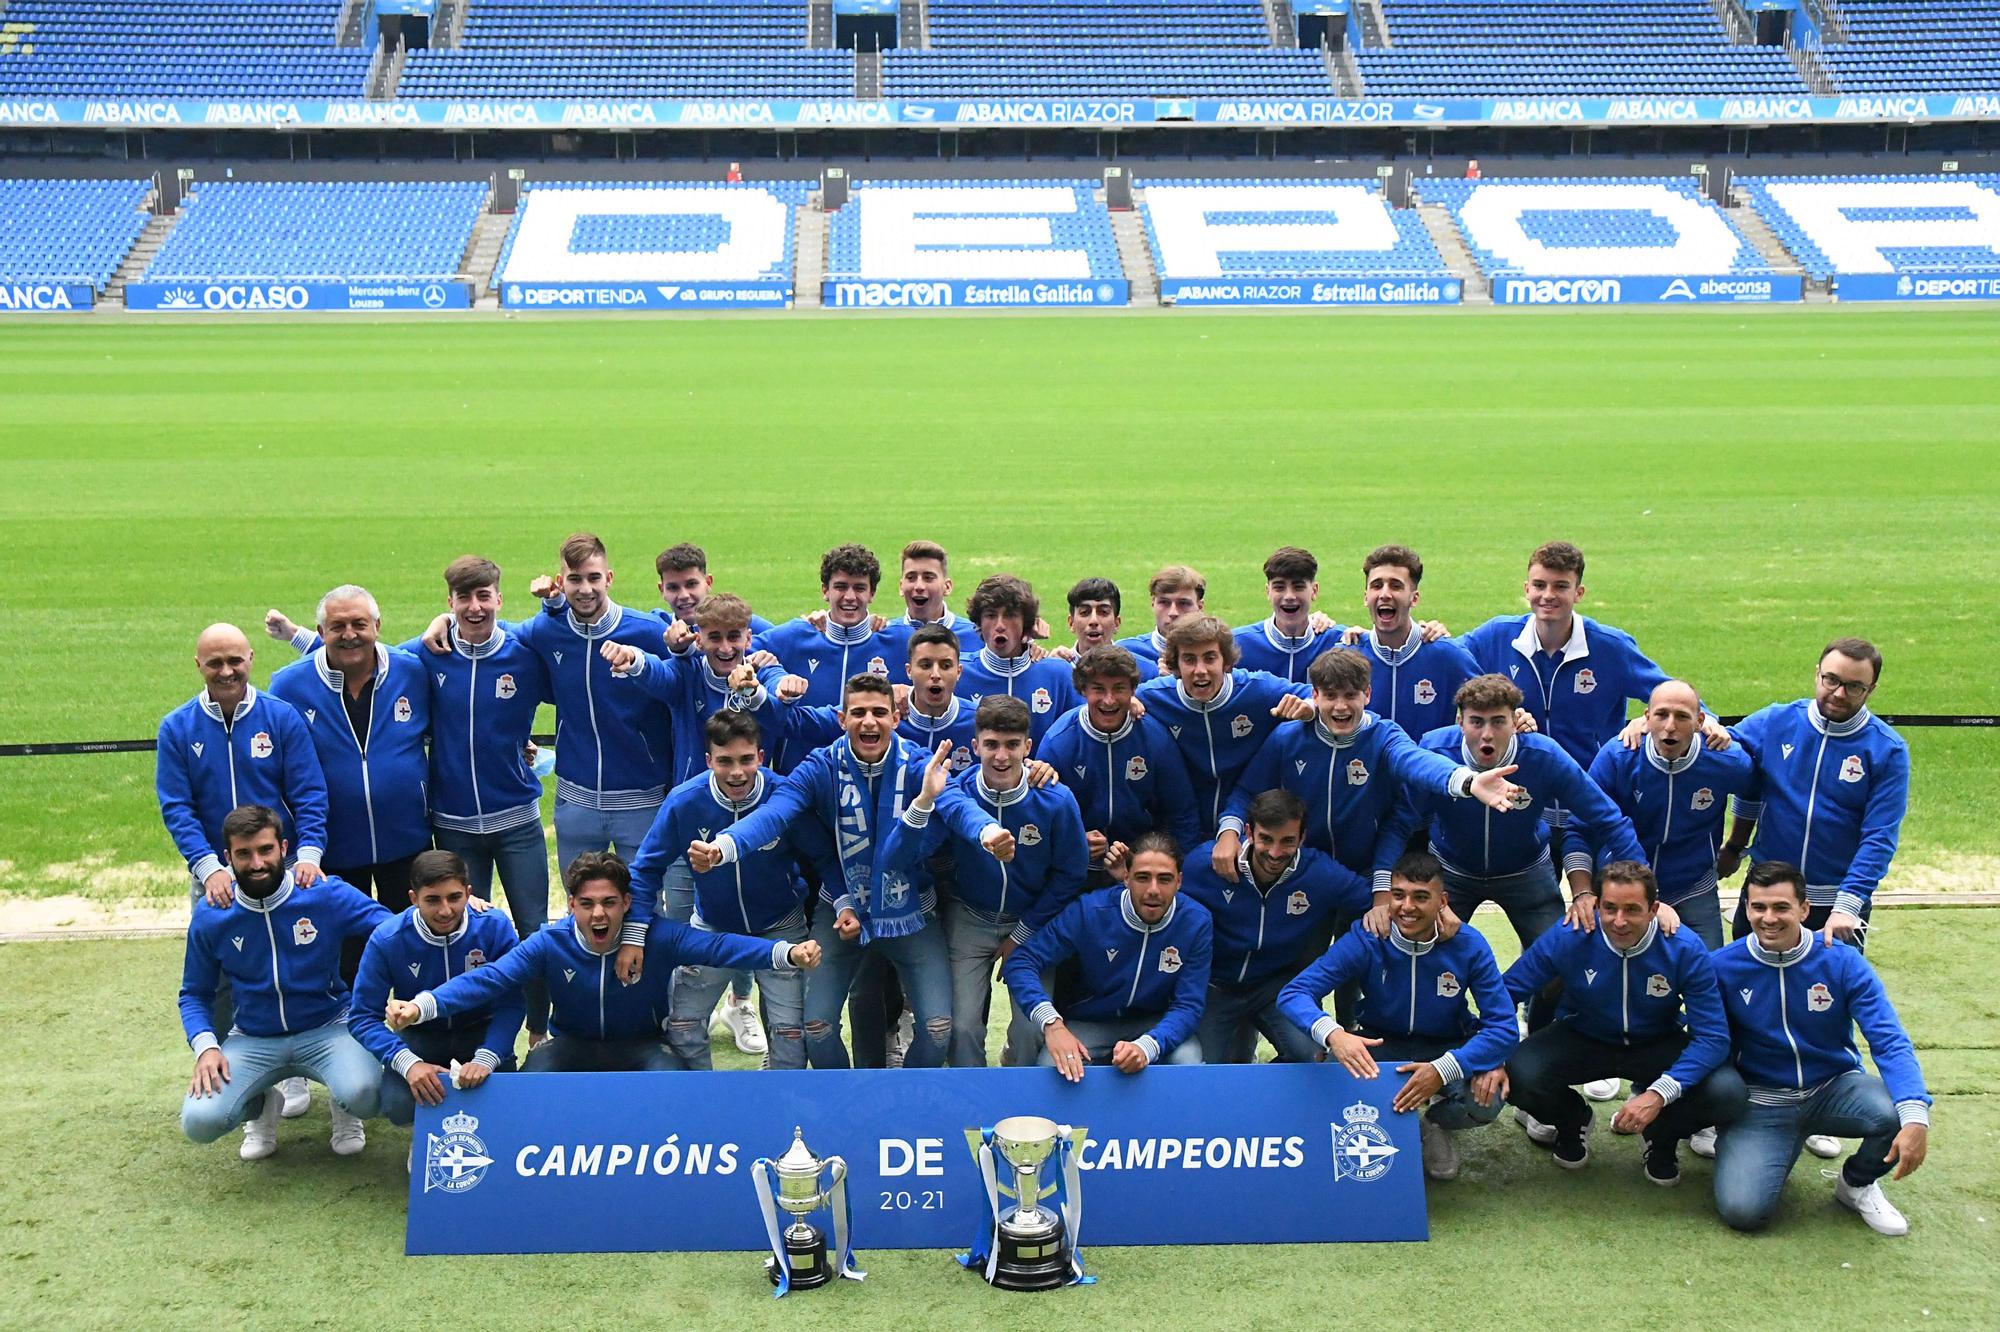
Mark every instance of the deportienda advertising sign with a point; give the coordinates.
(278, 297)
(654, 1162)
(1917, 286)
(1351, 289)
(1722, 288)
(960, 294)
(772, 295)
(44, 297)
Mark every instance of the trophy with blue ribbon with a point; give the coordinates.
(1029, 1247)
(799, 1259)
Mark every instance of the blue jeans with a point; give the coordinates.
(579, 829)
(973, 944)
(1533, 902)
(1454, 1108)
(1754, 1155)
(1234, 1016)
(697, 988)
(440, 1047)
(1702, 913)
(920, 963)
(574, 1054)
(522, 856)
(328, 1055)
(1099, 1038)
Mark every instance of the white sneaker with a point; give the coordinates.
(1604, 1089)
(1823, 1145)
(348, 1136)
(1872, 1206)
(739, 1017)
(1702, 1144)
(298, 1095)
(1440, 1153)
(1542, 1135)
(260, 1135)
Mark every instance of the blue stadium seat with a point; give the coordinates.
(1366, 237)
(193, 49)
(333, 231)
(623, 242)
(69, 230)
(1807, 214)
(1005, 229)
(1901, 46)
(1572, 227)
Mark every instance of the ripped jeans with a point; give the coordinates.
(784, 992)
(921, 965)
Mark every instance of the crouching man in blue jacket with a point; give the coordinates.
(1793, 1002)
(598, 1023)
(279, 945)
(1142, 957)
(1624, 986)
(1414, 984)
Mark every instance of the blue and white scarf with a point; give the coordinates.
(887, 902)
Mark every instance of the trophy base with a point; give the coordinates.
(1034, 1258)
(805, 1255)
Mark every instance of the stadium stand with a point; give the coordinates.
(1838, 225)
(1031, 229)
(1201, 228)
(68, 230)
(637, 231)
(1101, 48)
(690, 49)
(329, 231)
(176, 48)
(1538, 227)
(1581, 48)
(1917, 46)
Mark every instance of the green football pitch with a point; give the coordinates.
(1746, 485)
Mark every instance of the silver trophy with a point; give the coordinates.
(798, 1193)
(1033, 1251)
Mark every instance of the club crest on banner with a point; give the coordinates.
(457, 1161)
(1361, 1148)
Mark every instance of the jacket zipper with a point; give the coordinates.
(603, 1029)
(590, 706)
(1214, 770)
(1812, 799)
(1138, 970)
(472, 741)
(361, 745)
(277, 986)
(1785, 1022)
(1412, 1025)
(1667, 829)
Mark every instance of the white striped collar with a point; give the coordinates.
(1090, 731)
(1839, 730)
(736, 807)
(337, 680)
(1243, 868)
(1793, 954)
(214, 709)
(1222, 695)
(1645, 940)
(1005, 667)
(1527, 643)
(1286, 642)
(431, 936)
(266, 905)
(1674, 767)
(576, 928)
(1397, 656)
(1413, 947)
(945, 621)
(475, 651)
(1328, 737)
(1130, 913)
(931, 725)
(606, 624)
(999, 799)
(847, 635)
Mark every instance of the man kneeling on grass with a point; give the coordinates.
(279, 946)
(597, 1023)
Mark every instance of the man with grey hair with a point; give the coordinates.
(367, 709)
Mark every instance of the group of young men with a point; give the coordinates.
(1168, 844)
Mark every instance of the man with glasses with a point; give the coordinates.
(1835, 781)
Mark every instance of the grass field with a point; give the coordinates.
(1746, 485)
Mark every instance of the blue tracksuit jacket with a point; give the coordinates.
(1126, 782)
(1261, 931)
(758, 892)
(1260, 647)
(614, 743)
(1483, 843)
(1051, 857)
(1220, 737)
(1414, 685)
(207, 765)
(1578, 694)
(404, 958)
(281, 955)
(377, 785)
(1047, 686)
(1676, 807)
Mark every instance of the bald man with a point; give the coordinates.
(1675, 787)
(231, 745)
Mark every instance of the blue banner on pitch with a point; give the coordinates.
(1720, 288)
(1354, 290)
(656, 1162)
(775, 294)
(237, 297)
(44, 297)
(1917, 286)
(970, 294)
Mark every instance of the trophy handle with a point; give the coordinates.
(837, 1168)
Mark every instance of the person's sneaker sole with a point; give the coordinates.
(1604, 1089)
(1542, 1135)
(1823, 1145)
(1578, 1164)
(1702, 1144)
(298, 1097)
